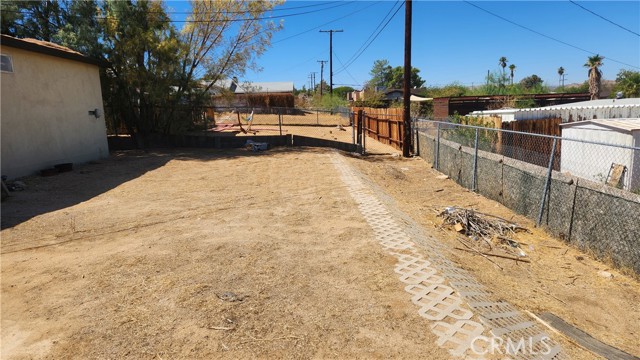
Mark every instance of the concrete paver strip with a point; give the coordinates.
(464, 315)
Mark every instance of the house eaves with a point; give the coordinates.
(47, 48)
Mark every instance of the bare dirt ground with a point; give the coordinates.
(200, 254)
(560, 279)
(235, 254)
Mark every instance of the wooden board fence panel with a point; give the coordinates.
(384, 124)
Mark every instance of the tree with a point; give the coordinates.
(224, 38)
(531, 82)
(561, 74)
(324, 85)
(396, 80)
(512, 68)
(143, 53)
(380, 74)
(342, 91)
(628, 82)
(503, 63)
(595, 75)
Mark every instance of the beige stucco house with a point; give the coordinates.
(51, 107)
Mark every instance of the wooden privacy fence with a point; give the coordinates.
(532, 149)
(385, 125)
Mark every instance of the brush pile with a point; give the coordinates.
(495, 232)
(476, 224)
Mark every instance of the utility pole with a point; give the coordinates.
(330, 58)
(406, 143)
(313, 80)
(322, 62)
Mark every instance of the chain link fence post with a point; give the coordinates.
(474, 182)
(436, 155)
(545, 191)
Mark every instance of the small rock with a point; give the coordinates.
(579, 258)
(605, 274)
(442, 177)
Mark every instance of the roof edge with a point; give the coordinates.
(6, 40)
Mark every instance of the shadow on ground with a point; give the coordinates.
(47, 194)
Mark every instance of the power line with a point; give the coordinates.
(345, 69)
(603, 18)
(327, 23)
(543, 35)
(371, 42)
(216, 20)
(373, 32)
(168, 12)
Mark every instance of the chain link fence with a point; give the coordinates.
(232, 126)
(585, 192)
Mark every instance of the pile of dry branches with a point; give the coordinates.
(493, 230)
(474, 223)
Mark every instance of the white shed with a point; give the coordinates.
(582, 157)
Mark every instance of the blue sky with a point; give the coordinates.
(453, 41)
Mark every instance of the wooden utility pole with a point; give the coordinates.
(330, 58)
(322, 62)
(406, 141)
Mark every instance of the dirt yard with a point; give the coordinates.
(236, 254)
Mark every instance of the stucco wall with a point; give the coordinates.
(45, 120)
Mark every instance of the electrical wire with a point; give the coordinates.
(373, 32)
(349, 63)
(340, 3)
(345, 69)
(325, 24)
(603, 18)
(543, 35)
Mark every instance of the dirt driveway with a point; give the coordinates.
(235, 254)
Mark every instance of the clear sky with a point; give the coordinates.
(452, 41)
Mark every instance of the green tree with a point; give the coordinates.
(580, 89)
(380, 74)
(531, 82)
(595, 75)
(342, 91)
(142, 49)
(628, 82)
(396, 80)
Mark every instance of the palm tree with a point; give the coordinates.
(512, 68)
(595, 75)
(503, 62)
(561, 73)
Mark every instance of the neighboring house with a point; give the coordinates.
(594, 162)
(52, 110)
(394, 95)
(355, 95)
(575, 111)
